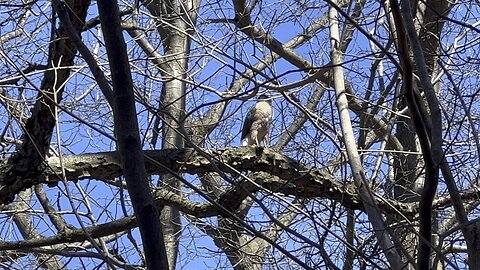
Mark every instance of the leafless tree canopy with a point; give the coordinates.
(120, 128)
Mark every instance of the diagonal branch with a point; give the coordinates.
(359, 178)
(128, 138)
(74, 36)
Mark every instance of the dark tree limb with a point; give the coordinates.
(77, 235)
(128, 138)
(74, 36)
(420, 122)
(28, 160)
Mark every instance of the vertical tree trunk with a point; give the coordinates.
(175, 23)
(473, 236)
(128, 138)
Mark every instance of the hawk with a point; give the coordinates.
(257, 123)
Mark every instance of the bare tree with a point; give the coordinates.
(120, 134)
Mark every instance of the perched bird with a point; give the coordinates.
(257, 123)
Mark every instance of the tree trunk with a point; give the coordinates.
(128, 138)
(176, 45)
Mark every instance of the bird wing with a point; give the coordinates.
(247, 123)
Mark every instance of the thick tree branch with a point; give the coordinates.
(28, 160)
(420, 123)
(383, 236)
(291, 176)
(128, 138)
(77, 235)
(74, 36)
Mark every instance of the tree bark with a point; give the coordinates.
(175, 23)
(359, 178)
(28, 158)
(128, 138)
